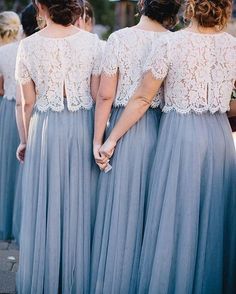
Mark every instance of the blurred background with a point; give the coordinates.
(110, 14)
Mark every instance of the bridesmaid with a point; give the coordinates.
(190, 236)
(122, 193)
(30, 26)
(58, 72)
(9, 32)
(9, 167)
(87, 21)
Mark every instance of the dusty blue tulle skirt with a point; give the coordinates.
(122, 197)
(9, 166)
(17, 210)
(190, 237)
(59, 184)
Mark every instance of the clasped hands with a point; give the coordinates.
(20, 153)
(103, 153)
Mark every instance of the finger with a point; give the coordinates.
(102, 161)
(18, 157)
(100, 158)
(107, 154)
(22, 155)
(102, 166)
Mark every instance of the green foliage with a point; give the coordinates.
(104, 12)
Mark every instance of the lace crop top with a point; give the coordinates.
(199, 71)
(7, 69)
(125, 53)
(58, 64)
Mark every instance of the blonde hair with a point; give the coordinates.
(9, 25)
(209, 13)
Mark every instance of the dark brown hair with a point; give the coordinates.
(63, 12)
(29, 20)
(163, 11)
(209, 13)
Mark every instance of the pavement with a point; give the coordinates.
(9, 260)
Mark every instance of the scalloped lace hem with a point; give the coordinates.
(195, 110)
(124, 104)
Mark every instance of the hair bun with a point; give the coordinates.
(209, 13)
(163, 11)
(10, 24)
(63, 12)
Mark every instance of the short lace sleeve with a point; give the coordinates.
(110, 58)
(98, 58)
(22, 74)
(158, 61)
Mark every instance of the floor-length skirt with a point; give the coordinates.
(17, 210)
(190, 237)
(122, 197)
(9, 166)
(59, 184)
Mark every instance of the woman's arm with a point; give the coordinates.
(25, 100)
(104, 101)
(1, 86)
(19, 116)
(28, 101)
(232, 111)
(95, 82)
(136, 108)
(20, 153)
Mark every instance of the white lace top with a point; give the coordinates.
(55, 64)
(126, 52)
(7, 69)
(199, 71)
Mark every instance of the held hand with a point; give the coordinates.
(20, 153)
(108, 148)
(99, 158)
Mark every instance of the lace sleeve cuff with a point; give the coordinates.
(23, 80)
(158, 61)
(158, 75)
(110, 72)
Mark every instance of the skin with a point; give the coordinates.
(140, 102)
(26, 92)
(7, 40)
(25, 100)
(232, 111)
(83, 25)
(105, 99)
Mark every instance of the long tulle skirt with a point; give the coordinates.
(17, 211)
(122, 198)
(9, 166)
(190, 237)
(59, 184)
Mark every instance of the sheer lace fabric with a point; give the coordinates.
(199, 71)
(60, 65)
(125, 53)
(7, 69)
